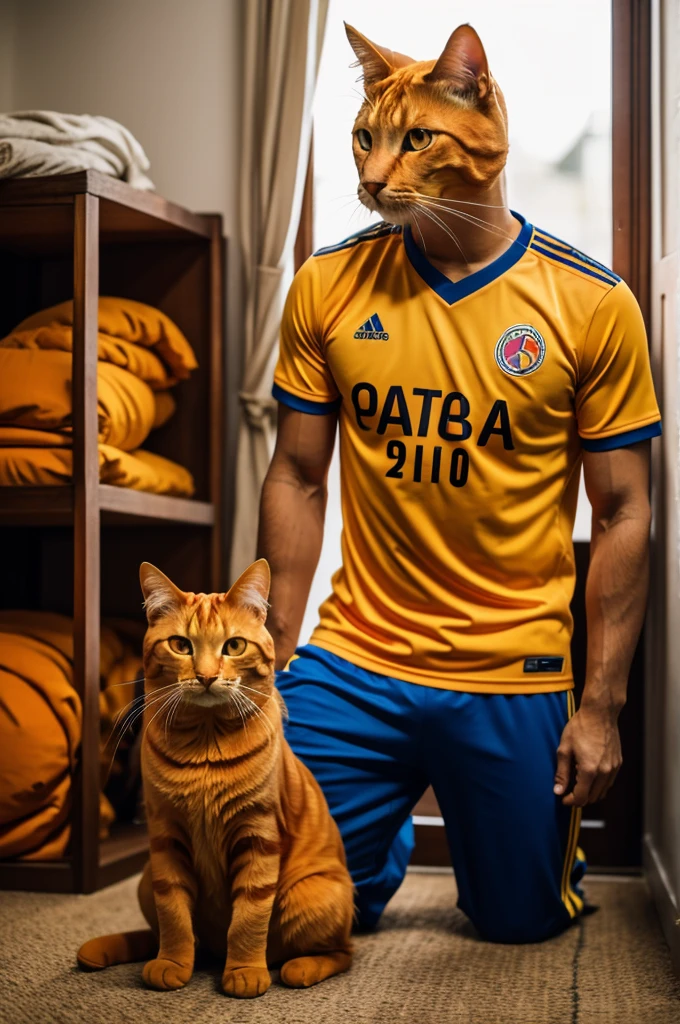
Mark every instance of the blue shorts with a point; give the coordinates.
(374, 743)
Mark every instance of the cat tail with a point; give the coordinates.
(121, 948)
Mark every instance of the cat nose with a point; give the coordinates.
(206, 680)
(373, 187)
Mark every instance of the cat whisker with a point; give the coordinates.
(178, 703)
(175, 699)
(463, 202)
(446, 227)
(254, 709)
(139, 710)
(128, 682)
(136, 707)
(424, 208)
(242, 686)
(477, 222)
(132, 718)
(168, 700)
(137, 700)
(239, 708)
(417, 224)
(471, 218)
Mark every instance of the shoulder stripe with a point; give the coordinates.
(574, 266)
(575, 254)
(379, 230)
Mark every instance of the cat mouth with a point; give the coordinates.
(397, 207)
(220, 692)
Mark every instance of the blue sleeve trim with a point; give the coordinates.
(608, 444)
(305, 404)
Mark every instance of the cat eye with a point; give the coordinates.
(364, 139)
(234, 646)
(180, 645)
(417, 139)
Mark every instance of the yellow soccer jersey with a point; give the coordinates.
(463, 409)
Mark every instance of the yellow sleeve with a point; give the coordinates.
(302, 379)
(615, 401)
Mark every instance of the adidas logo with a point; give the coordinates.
(372, 330)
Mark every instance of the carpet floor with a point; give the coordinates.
(423, 966)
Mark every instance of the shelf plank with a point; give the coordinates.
(45, 506)
(124, 853)
(124, 841)
(36, 506)
(120, 504)
(154, 215)
(37, 876)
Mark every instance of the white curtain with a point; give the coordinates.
(282, 48)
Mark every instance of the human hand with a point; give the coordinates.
(589, 755)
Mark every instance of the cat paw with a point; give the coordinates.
(165, 974)
(245, 982)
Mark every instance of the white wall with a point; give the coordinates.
(169, 70)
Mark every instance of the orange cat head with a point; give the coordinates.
(212, 648)
(434, 128)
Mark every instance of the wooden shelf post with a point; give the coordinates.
(86, 538)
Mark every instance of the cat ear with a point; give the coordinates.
(377, 61)
(463, 65)
(251, 589)
(161, 596)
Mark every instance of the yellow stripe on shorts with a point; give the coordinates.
(570, 898)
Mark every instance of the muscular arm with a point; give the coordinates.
(292, 510)
(616, 592)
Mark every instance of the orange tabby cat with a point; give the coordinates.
(245, 857)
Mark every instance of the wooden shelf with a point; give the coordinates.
(37, 876)
(38, 213)
(123, 854)
(80, 236)
(54, 506)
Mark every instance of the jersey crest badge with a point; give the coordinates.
(520, 350)
(372, 330)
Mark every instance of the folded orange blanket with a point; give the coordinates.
(40, 722)
(120, 321)
(24, 466)
(36, 392)
(143, 362)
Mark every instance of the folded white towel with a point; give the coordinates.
(39, 142)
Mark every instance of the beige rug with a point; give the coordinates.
(424, 966)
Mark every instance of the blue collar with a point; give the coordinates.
(452, 291)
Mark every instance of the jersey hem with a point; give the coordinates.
(463, 685)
